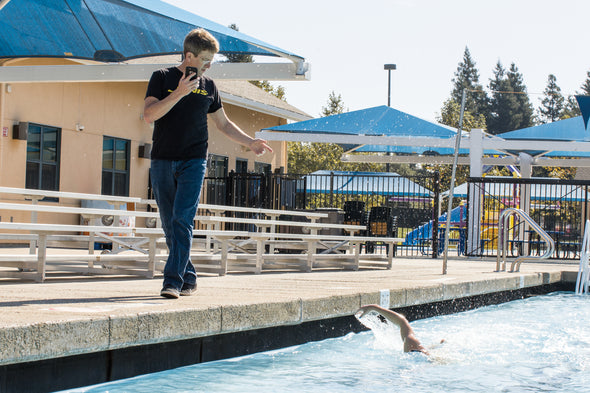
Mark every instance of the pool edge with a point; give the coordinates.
(299, 325)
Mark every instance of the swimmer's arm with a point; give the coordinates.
(391, 316)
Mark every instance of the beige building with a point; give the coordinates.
(89, 136)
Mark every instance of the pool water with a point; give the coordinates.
(539, 344)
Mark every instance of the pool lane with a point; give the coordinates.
(72, 316)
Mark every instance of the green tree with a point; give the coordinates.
(502, 102)
(467, 77)
(525, 113)
(586, 85)
(277, 91)
(509, 106)
(335, 105)
(571, 108)
(451, 113)
(568, 173)
(552, 105)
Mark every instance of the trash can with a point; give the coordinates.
(380, 221)
(335, 216)
(354, 213)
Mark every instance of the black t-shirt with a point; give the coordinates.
(181, 134)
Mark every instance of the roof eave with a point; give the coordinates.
(122, 72)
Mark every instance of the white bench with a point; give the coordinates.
(270, 225)
(266, 235)
(312, 259)
(214, 222)
(37, 195)
(144, 263)
(319, 250)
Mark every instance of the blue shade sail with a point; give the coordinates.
(584, 104)
(572, 129)
(377, 121)
(111, 30)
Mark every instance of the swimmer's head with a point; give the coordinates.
(412, 344)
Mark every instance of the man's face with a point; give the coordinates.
(202, 61)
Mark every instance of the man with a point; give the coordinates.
(411, 343)
(179, 102)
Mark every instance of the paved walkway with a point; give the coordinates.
(73, 315)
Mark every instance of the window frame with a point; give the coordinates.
(113, 170)
(41, 161)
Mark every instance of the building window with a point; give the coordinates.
(43, 153)
(262, 167)
(216, 184)
(115, 166)
(218, 166)
(241, 165)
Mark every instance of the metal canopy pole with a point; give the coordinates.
(455, 159)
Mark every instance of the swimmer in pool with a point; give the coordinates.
(411, 343)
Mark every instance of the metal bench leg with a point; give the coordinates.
(311, 248)
(91, 249)
(357, 256)
(41, 256)
(259, 255)
(223, 262)
(152, 247)
(390, 253)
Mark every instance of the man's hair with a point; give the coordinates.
(199, 40)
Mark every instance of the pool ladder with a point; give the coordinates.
(583, 281)
(503, 240)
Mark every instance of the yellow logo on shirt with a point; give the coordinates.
(197, 91)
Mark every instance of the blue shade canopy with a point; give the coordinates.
(376, 121)
(365, 183)
(572, 129)
(380, 121)
(111, 30)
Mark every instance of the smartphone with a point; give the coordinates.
(193, 70)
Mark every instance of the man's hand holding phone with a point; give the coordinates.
(191, 70)
(190, 81)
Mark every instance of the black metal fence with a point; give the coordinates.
(560, 207)
(408, 207)
(387, 205)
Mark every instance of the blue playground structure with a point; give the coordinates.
(423, 234)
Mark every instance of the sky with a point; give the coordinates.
(348, 42)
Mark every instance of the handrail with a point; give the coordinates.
(583, 280)
(503, 239)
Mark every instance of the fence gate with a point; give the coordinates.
(559, 206)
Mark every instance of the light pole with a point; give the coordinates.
(389, 67)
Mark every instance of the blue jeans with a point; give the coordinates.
(177, 188)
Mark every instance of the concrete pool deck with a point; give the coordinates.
(73, 315)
